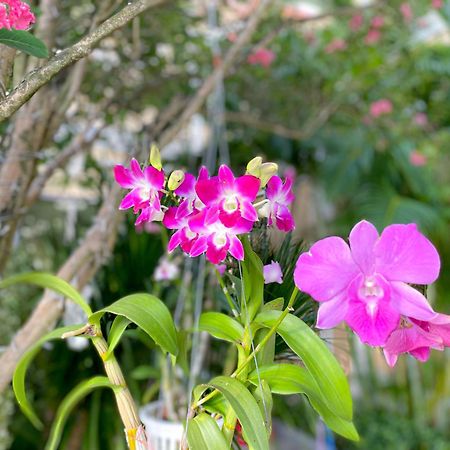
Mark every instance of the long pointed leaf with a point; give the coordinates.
(246, 409)
(68, 404)
(115, 333)
(24, 41)
(148, 313)
(286, 379)
(18, 380)
(221, 326)
(204, 434)
(318, 359)
(49, 281)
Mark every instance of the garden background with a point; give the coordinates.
(352, 97)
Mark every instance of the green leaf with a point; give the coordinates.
(145, 373)
(263, 397)
(24, 41)
(49, 281)
(286, 379)
(318, 359)
(246, 409)
(68, 404)
(221, 326)
(148, 313)
(115, 333)
(276, 305)
(203, 433)
(253, 280)
(18, 380)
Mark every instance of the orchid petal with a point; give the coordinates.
(362, 240)
(199, 246)
(236, 249)
(404, 254)
(326, 270)
(410, 302)
(332, 312)
(226, 176)
(285, 221)
(247, 187)
(248, 211)
(154, 177)
(131, 199)
(124, 177)
(215, 254)
(274, 187)
(187, 187)
(208, 190)
(174, 241)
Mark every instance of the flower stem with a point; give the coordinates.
(258, 348)
(134, 429)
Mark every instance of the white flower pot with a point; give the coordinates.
(162, 434)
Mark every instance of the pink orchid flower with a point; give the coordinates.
(272, 273)
(15, 14)
(366, 284)
(166, 270)
(183, 237)
(187, 191)
(417, 338)
(145, 190)
(377, 22)
(279, 197)
(215, 238)
(437, 4)
(231, 196)
(417, 159)
(372, 36)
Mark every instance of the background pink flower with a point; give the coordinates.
(377, 22)
(263, 57)
(15, 14)
(272, 273)
(356, 22)
(372, 36)
(336, 45)
(417, 159)
(406, 10)
(380, 107)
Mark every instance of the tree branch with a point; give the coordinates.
(35, 80)
(208, 85)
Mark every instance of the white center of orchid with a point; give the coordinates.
(220, 239)
(190, 234)
(371, 288)
(231, 204)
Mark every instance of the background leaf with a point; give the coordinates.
(69, 403)
(24, 41)
(148, 313)
(18, 380)
(49, 281)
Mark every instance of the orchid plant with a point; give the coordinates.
(369, 285)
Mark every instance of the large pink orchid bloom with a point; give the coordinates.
(366, 284)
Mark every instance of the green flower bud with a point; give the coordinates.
(175, 179)
(155, 157)
(267, 171)
(253, 167)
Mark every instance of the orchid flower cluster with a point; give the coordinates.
(367, 284)
(207, 213)
(15, 14)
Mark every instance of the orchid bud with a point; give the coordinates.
(175, 179)
(155, 157)
(267, 171)
(253, 167)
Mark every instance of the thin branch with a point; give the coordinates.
(80, 144)
(209, 84)
(38, 78)
(306, 132)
